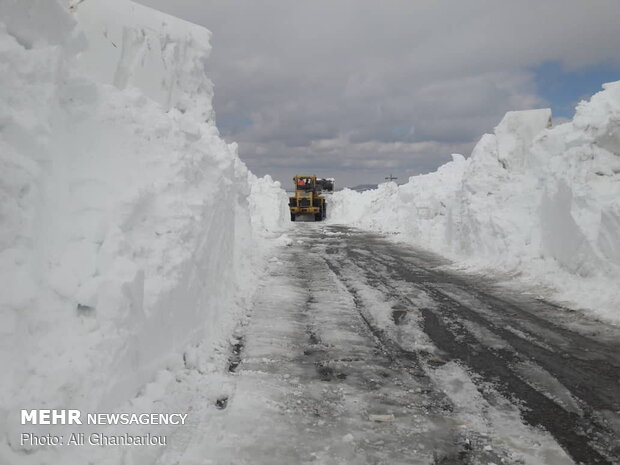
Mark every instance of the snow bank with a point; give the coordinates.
(130, 45)
(125, 220)
(539, 201)
(268, 204)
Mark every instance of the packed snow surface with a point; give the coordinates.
(126, 222)
(539, 202)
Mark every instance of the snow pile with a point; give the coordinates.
(269, 205)
(539, 201)
(125, 220)
(411, 209)
(130, 45)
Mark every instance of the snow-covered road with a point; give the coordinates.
(362, 351)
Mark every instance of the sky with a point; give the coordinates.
(359, 89)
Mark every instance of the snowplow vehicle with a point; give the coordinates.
(308, 198)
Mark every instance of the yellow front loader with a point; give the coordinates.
(307, 199)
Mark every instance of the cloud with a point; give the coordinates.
(360, 88)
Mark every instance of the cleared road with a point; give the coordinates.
(360, 350)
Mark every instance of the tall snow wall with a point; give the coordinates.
(534, 200)
(125, 226)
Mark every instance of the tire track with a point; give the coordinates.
(588, 438)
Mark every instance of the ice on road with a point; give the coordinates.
(362, 351)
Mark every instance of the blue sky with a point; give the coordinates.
(563, 89)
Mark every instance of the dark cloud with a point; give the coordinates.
(357, 88)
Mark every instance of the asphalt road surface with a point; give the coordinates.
(360, 350)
